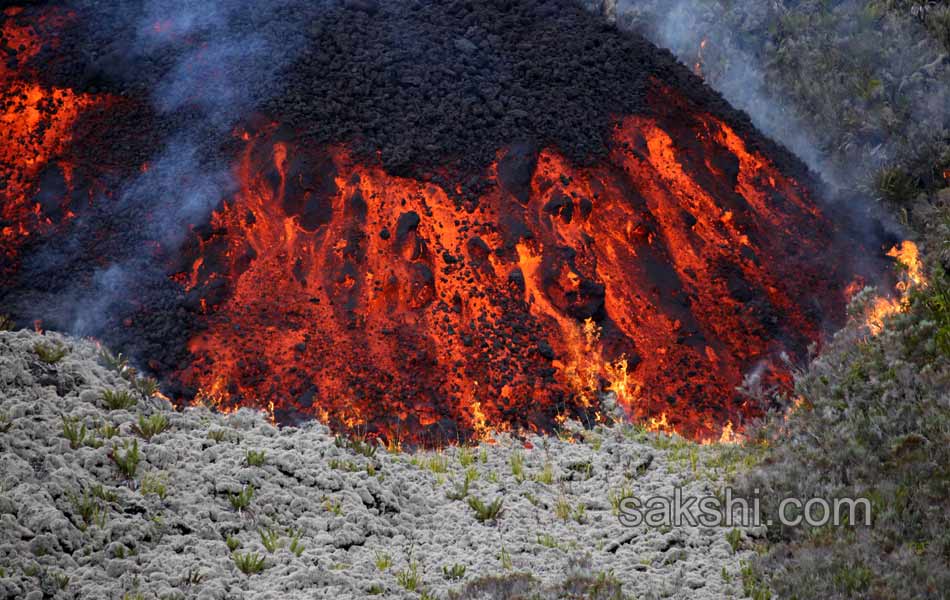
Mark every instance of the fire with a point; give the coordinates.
(331, 288)
(698, 67)
(907, 255)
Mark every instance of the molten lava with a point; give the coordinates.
(35, 128)
(384, 304)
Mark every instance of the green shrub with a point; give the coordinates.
(486, 512)
(383, 560)
(455, 572)
(74, 430)
(249, 563)
(6, 323)
(255, 458)
(895, 185)
(118, 399)
(50, 353)
(296, 546)
(127, 460)
(5, 422)
(154, 484)
(232, 543)
(409, 577)
(149, 427)
(242, 500)
(270, 538)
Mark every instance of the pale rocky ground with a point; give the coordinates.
(350, 510)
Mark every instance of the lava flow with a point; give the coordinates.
(666, 275)
(36, 128)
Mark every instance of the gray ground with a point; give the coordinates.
(349, 511)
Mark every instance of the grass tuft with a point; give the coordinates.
(118, 399)
(127, 460)
(149, 427)
(50, 353)
(486, 512)
(249, 563)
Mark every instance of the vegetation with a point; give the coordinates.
(74, 430)
(50, 353)
(6, 323)
(383, 560)
(5, 422)
(118, 399)
(242, 500)
(255, 458)
(409, 577)
(154, 484)
(270, 539)
(149, 427)
(486, 512)
(874, 424)
(126, 460)
(453, 573)
(249, 563)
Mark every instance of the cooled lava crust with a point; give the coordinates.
(430, 220)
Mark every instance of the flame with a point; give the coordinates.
(698, 67)
(907, 255)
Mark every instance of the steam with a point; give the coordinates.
(737, 68)
(222, 60)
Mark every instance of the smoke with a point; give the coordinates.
(844, 89)
(217, 61)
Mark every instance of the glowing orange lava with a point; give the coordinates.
(384, 305)
(35, 128)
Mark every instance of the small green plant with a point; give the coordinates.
(60, 580)
(270, 538)
(149, 427)
(115, 362)
(383, 561)
(333, 506)
(5, 422)
(453, 573)
(753, 585)
(486, 512)
(74, 430)
(505, 559)
(107, 430)
(547, 540)
(579, 513)
(461, 489)
(483, 456)
(438, 463)
(147, 386)
(242, 499)
(255, 458)
(734, 538)
(466, 457)
(99, 491)
(6, 323)
(895, 185)
(87, 508)
(617, 496)
(375, 590)
(562, 509)
(232, 543)
(118, 399)
(517, 465)
(546, 476)
(218, 435)
(296, 546)
(50, 353)
(154, 484)
(249, 563)
(127, 460)
(409, 578)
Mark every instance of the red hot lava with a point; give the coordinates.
(35, 128)
(668, 273)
